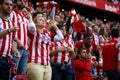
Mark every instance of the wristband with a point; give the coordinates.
(8, 30)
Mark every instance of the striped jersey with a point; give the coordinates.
(20, 20)
(5, 42)
(65, 55)
(39, 48)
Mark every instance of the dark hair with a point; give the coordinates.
(87, 34)
(60, 25)
(35, 6)
(78, 36)
(79, 52)
(93, 26)
(115, 32)
(35, 14)
(1, 2)
(15, 1)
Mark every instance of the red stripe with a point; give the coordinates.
(24, 33)
(4, 38)
(56, 56)
(42, 52)
(19, 31)
(63, 54)
(36, 48)
(47, 53)
(13, 26)
(9, 42)
(30, 48)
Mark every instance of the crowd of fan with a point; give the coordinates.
(66, 46)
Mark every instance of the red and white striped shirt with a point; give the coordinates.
(5, 42)
(20, 21)
(39, 48)
(65, 55)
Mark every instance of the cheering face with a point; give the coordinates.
(6, 7)
(88, 41)
(40, 21)
(63, 30)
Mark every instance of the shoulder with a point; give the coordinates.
(79, 44)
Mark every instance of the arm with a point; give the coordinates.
(8, 31)
(118, 44)
(119, 62)
(19, 43)
(53, 25)
(15, 50)
(71, 51)
(58, 36)
(31, 25)
(55, 51)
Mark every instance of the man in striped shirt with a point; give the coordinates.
(22, 22)
(38, 67)
(6, 32)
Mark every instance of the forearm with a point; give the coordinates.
(4, 33)
(32, 28)
(72, 54)
(8, 31)
(59, 36)
(54, 52)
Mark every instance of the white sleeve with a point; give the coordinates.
(32, 28)
(58, 36)
(118, 44)
(119, 56)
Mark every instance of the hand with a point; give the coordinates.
(16, 53)
(69, 49)
(29, 17)
(62, 49)
(14, 29)
(89, 55)
(20, 45)
(53, 25)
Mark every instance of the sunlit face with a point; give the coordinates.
(63, 30)
(40, 21)
(7, 6)
(88, 40)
